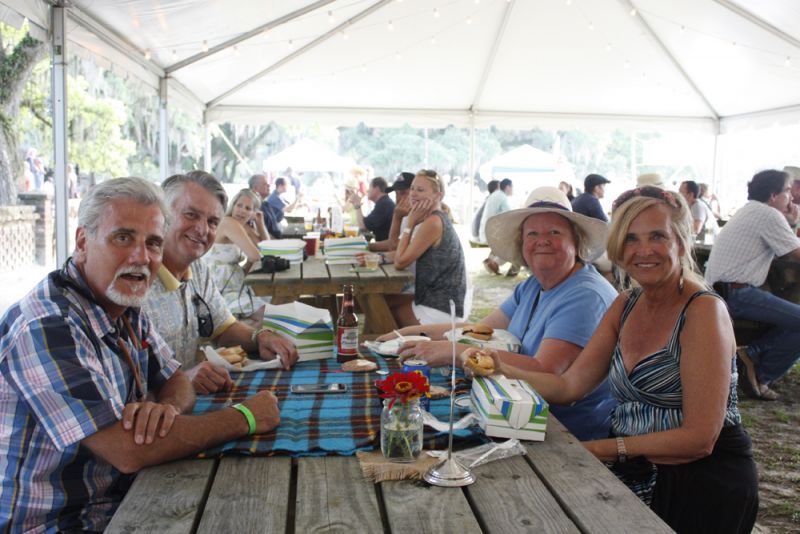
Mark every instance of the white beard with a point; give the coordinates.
(131, 301)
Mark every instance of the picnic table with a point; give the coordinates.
(315, 279)
(558, 486)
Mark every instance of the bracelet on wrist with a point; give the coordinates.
(251, 420)
(254, 337)
(622, 452)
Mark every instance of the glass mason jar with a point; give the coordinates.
(401, 430)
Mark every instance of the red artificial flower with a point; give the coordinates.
(403, 387)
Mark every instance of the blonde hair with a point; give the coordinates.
(438, 186)
(249, 193)
(624, 214)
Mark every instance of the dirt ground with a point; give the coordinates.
(773, 426)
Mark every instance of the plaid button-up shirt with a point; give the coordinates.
(63, 378)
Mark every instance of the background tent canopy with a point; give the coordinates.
(308, 156)
(510, 64)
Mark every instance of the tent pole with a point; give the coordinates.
(206, 145)
(163, 139)
(633, 155)
(425, 146)
(58, 41)
(467, 216)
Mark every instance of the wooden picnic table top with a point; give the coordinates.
(557, 487)
(315, 277)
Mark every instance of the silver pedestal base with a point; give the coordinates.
(449, 474)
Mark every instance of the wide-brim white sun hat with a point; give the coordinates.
(651, 178)
(503, 231)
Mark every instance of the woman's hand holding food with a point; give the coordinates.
(480, 362)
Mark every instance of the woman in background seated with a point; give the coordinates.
(237, 240)
(555, 311)
(668, 350)
(430, 240)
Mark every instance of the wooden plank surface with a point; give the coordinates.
(510, 497)
(341, 274)
(315, 271)
(595, 499)
(420, 508)
(332, 496)
(165, 498)
(249, 494)
(289, 276)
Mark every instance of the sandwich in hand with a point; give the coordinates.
(480, 362)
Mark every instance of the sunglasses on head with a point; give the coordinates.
(645, 191)
(205, 324)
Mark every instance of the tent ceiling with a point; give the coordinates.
(682, 61)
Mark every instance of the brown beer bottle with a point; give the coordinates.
(347, 328)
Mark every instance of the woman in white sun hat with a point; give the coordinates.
(555, 311)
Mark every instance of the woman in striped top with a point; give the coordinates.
(668, 350)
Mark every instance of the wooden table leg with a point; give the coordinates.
(378, 316)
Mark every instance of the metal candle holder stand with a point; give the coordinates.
(449, 473)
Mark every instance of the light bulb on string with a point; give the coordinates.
(174, 54)
(235, 50)
(390, 26)
(331, 20)
(398, 56)
(436, 12)
(364, 67)
(608, 47)
(591, 26)
(433, 40)
(633, 12)
(627, 64)
(469, 20)
(569, 2)
(788, 61)
(344, 35)
(147, 54)
(683, 29)
(205, 46)
(290, 44)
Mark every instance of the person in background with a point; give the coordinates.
(677, 438)
(710, 200)
(278, 205)
(89, 390)
(238, 235)
(738, 264)
(588, 202)
(491, 187)
(701, 214)
(567, 189)
(185, 304)
(794, 174)
(259, 184)
(379, 221)
(553, 312)
(497, 203)
(430, 240)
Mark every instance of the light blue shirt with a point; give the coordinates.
(570, 312)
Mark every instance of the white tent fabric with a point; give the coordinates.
(528, 168)
(307, 155)
(702, 64)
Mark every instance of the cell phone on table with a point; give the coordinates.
(318, 388)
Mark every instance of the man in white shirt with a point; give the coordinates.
(738, 265)
(701, 214)
(496, 204)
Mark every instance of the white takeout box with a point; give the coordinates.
(509, 408)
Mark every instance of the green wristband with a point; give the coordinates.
(251, 420)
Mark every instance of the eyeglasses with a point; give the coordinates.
(646, 191)
(205, 324)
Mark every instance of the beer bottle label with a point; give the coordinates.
(347, 340)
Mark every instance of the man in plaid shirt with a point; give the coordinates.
(89, 392)
(738, 265)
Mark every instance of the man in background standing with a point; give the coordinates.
(280, 206)
(496, 204)
(588, 202)
(701, 213)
